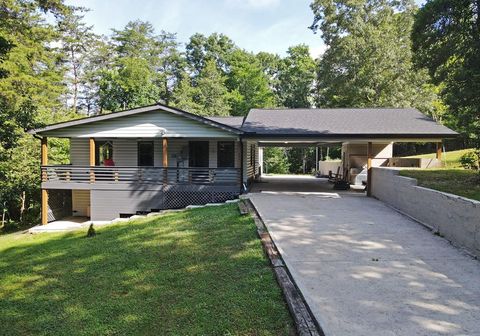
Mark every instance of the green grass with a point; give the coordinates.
(460, 182)
(197, 272)
(451, 159)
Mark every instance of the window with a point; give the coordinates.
(145, 153)
(226, 154)
(103, 151)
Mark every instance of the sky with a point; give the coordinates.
(254, 25)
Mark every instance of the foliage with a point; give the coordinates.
(275, 160)
(248, 84)
(470, 160)
(208, 95)
(446, 41)
(141, 68)
(368, 62)
(450, 158)
(196, 272)
(31, 87)
(296, 78)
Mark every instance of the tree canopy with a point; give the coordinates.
(446, 41)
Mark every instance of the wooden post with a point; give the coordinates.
(44, 162)
(439, 151)
(369, 169)
(44, 157)
(44, 206)
(165, 159)
(92, 159)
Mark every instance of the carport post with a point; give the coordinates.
(439, 151)
(369, 169)
(44, 162)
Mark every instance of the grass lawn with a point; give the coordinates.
(197, 272)
(461, 182)
(451, 159)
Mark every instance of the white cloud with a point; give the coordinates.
(254, 3)
(317, 51)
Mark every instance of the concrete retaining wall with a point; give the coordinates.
(454, 217)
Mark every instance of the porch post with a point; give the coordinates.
(369, 169)
(92, 159)
(165, 159)
(44, 162)
(165, 152)
(439, 151)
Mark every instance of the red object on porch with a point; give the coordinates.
(108, 162)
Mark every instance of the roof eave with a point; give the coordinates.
(149, 108)
(355, 136)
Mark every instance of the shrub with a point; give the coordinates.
(470, 160)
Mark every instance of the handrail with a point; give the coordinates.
(131, 174)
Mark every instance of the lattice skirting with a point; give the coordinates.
(59, 204)
(175, 198)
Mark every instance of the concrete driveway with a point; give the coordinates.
(364, 269)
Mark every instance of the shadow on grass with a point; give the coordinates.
(196, 272)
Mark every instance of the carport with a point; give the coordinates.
(366, 135)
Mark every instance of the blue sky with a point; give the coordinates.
(254, 25)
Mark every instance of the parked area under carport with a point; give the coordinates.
(365, 269)
(297, 183)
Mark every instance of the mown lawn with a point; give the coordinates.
(451, 159)
(460, 182)
(197, 272)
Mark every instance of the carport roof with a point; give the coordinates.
(355, 122)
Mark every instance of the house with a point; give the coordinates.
(159, 157)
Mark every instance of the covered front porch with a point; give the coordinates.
(110, 177)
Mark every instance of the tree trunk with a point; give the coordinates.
(22, 205)
(75, 80)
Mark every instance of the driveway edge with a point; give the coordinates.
(305, 322)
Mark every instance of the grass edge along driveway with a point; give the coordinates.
(195, 272)
(459, 182)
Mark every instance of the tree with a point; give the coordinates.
(296, 79)
(145, 68)
(248, 84)
(275, 160)
(446, 40)
(207, 95)
(368, 62)
(31, 87)
(77, 39)
(216, 47)
(270, 64)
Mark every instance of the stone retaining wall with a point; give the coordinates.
(453, 217)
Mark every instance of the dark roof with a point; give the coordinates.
(229, 121)
(148, 108)
(359, 122)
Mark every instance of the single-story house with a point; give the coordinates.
(159, 157)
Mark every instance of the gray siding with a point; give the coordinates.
(79, 152)
(110, 204)
(250, 170)
(125, 152)
(145, 125)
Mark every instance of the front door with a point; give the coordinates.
(198, 154)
